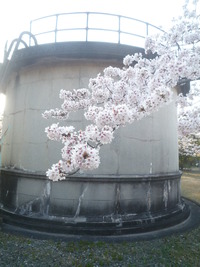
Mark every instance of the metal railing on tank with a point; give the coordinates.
(80, 26)
(91, 26)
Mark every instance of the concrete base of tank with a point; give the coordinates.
(92, 205)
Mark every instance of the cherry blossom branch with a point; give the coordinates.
(121, 96)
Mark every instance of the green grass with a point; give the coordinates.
(190, 186)
(176, 250)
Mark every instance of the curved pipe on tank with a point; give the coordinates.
(11, 46)
(18, 41)
(15, 42)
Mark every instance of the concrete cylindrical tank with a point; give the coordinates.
(137, 186)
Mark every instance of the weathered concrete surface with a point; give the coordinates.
(138, 178)
(145, 147)
(98, 205)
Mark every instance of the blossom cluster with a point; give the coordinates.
(189, 145)
(189, 122)
(180, 47)
(123, 95)
(80, 150)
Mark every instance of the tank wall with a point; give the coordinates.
(148, 146)
(28, 194)
(145, 147)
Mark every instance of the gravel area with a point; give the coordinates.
(177, 250)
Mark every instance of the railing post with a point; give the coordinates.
(147, 28)
(30, 32)
(56, 28)
(87, 20)
(119, 29)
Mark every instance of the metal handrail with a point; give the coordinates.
(33, 36)
(87, 28)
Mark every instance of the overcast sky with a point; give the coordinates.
(15, 15)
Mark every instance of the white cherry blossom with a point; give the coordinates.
(123, 95)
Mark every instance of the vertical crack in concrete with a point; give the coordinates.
(148, 197)
(42, 202)
(117, 209)
(151, 168)
(45, 199)
(169, 185)
(26, 209)
(79, 202)
(165, 194)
